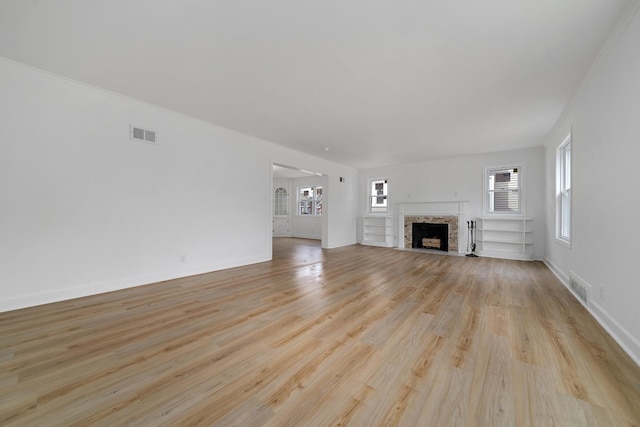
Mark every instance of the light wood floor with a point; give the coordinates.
(357, 336)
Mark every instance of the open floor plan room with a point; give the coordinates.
(358, 335)
(329, 213)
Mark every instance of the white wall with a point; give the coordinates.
(461, 179)
(605, 117)
(84, 209)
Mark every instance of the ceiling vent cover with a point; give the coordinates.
(144, 135)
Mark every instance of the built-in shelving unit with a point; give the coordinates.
(510, 238)
(377, 231)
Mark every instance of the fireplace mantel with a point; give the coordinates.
(433, 208)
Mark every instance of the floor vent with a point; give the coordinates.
(144, 135)
(579, 287)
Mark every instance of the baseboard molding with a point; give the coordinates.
(341, 244)
(564, 278)
(306, 236)
(47, 297)
(625, 340)
(628, 343)
(506, 255)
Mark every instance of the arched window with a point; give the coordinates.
(281, 201)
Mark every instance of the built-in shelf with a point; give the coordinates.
(510, 238)
(377, 231)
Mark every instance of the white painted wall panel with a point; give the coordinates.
(606, 148)
(85, 209)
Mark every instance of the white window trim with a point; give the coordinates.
(521, 193)
(313, 203)
(564, 240)
(369, 207)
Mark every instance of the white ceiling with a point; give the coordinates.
(376, 81)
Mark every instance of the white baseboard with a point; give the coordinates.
(627, 342)
(47, 297)
(506, 255)
(564, 278)
(340, 244)
(306, 236)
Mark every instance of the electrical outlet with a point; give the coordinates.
(183, 259)
(602, 292)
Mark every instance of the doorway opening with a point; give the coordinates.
(298, 199)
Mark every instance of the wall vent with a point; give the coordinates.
(579, 287)
(144, 135)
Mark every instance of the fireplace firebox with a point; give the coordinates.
(430, 236)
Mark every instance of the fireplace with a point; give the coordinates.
(450, 213)
(427, 235)
(446, 239)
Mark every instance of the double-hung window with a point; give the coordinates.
(563, 193)
(378, 196)
(503, 193)
(310, 201)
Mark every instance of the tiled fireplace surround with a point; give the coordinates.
(451, 220)
(451, 213)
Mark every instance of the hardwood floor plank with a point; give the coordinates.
(15, 405)
(389, 364)
(354, 404)
(445, 404)
(249, 413)
(358, 335)
(535, 402)
(465, 336)
(303, 409)
(494, 403)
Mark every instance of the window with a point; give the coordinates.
(281, 202)
(310, 201)
(563, 193)
(503, 190)
(378, 195)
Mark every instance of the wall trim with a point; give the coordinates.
(306, 236)
(41, 298)
(625, 340)
(341, 244)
